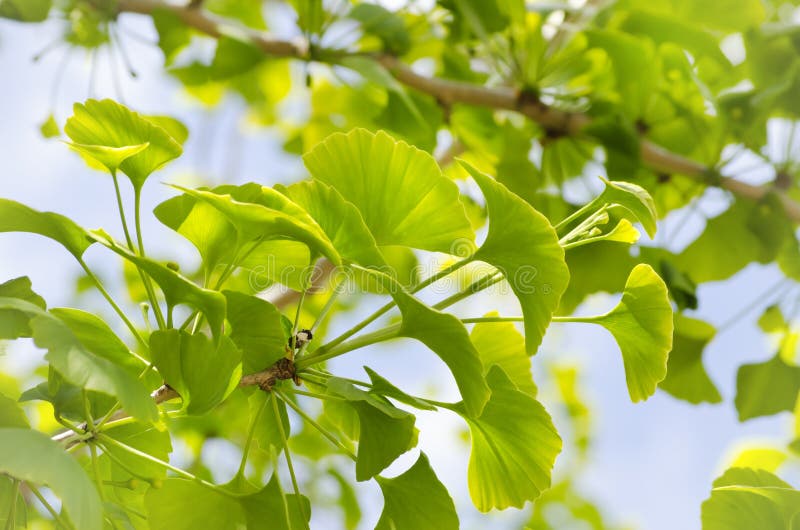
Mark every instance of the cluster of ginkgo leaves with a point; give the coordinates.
(208, 357)
(367, 192)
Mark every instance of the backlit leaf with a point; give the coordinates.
(202, 372)
(686, 377)
(31, 456)
(397, 188)
(416, 500)
(514, 447)
(107, 123)
(523, 245)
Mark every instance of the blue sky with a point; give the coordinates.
(651, 464)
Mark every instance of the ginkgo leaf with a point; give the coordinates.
(385, 432)
(80, 367)
(624, 232)
(202, 372)
(33, 457)
(499, 343)
(397, 188)
(445, 335)
(642, 325)
(215, 238)
(106, 123)
(686, 377)
(340, 220)
(256, 329)
(264, 213)
(108, 157)
(383, 387)
(744, 499)
(16, 217)
(203, 225)
(11, 415)
(632, 198)
(166, 507)
(416, 500)
(763, 389)
(523, 245)
(265, 509)
(14, 323)
(176, 288)
(514, 447)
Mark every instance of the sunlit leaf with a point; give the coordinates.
(524, 246)
(31, 456)
(340, 220)
(16, 217)
(686, 377)
(385, 388)
(743, 499)
(202, 372)
(11, 415)
(634, 199)
(265, 509)
(14, 323)
(499, 343)
(25, 10)
(256, 329)
(259, 212)
(416, 500)
(514, 447)
(166, 507)
(385, 432)
(397, 188)
(642, 326)
(107, 123)
(763, 389)
(108, 157)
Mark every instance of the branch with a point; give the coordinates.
(448, 92)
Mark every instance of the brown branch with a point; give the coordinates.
(448, 92)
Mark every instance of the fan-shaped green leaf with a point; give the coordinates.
(523, 245)
(14, 323)
(634, 199)
(744, 499)
(31, 456)
(383, 387)
(16, 217)
(167, 507)
(398, 189)
(202, 372)
(106, 123)
(416, 500)
(259, 212)
(763, 389)
(499, 343)
(642, 326)
(11, 415)
(108, 157)
(339, 219)
(385, 432)
(79, 366)
(514, 447)
(265, 509)
(686, 377)
(203, 225)
(256, 329)
(445, 335)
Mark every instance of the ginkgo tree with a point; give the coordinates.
(516, 99)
